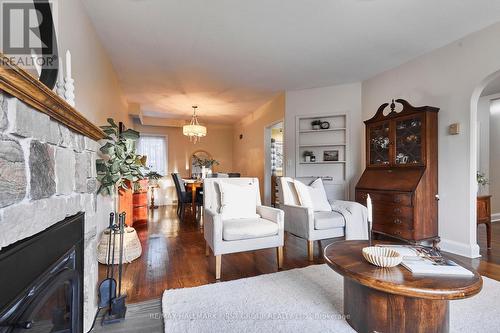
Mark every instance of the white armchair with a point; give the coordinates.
(303, 222)
(233, 235)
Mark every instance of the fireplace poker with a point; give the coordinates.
(120, 267)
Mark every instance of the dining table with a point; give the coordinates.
(192, 185)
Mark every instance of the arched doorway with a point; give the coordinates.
(474, 146)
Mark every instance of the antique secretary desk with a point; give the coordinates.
(401, 172)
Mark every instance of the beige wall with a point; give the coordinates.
(98, 94)
(248, 153)
(447, 78)
(218, 143)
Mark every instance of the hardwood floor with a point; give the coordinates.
(174, 257)
(489, 263)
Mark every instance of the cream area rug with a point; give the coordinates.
(300, 300)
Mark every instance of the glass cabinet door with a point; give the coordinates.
(379, 144)
(409, 141)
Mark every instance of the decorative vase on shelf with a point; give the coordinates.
(203, 172)
(307, 158)
(313, 158)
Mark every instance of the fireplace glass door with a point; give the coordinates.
(55, 310)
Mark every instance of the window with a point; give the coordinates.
(155, 148)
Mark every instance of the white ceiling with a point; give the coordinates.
(231, 56)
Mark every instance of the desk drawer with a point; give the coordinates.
(391, 220)
(392, 211)
(394, 230)
(400, 198)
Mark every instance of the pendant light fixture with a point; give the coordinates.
(194, 130)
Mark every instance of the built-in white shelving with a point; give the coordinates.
(323, 145)
(330, 148)
(329, 162)
(323, 130)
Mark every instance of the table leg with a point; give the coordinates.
(193, 198)
(370, 310)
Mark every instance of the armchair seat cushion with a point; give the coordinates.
(237, 229)
(328, 220)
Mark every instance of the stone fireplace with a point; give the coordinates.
(47, 173)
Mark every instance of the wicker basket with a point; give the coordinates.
(131, 246)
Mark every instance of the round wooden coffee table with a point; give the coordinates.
(393, 299)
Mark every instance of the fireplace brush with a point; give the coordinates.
(108, 297)
(117, 307)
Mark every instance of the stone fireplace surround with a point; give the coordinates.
(47, 172)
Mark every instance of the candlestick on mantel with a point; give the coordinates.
(68, 64)
(370, 218)
(60, 79)
(69, 88)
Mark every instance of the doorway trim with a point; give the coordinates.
(267, 159)
(473, 163)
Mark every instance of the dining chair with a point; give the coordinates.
(184, 197)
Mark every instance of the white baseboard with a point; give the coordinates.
(466, 250)
(495, 217)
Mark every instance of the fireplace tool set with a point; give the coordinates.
(110, 291)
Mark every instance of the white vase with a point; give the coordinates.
(203, 172)
(307, 158)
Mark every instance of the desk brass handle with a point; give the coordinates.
(397, 221)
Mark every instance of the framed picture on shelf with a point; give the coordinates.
(330, 155)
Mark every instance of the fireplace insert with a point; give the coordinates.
(41, 281)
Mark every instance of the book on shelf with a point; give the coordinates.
(422, 265)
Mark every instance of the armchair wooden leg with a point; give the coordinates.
(310, 250)
(280, 256)
(218, 266)
(207, 249)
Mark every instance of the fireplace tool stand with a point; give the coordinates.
(116, 303)
(109, 299)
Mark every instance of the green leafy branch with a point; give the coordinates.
(204, 162)
(120, 164)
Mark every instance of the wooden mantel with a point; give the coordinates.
(22, 85)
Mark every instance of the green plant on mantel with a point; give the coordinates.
(204, 162)
(120, 163)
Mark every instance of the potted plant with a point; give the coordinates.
(307, 154)
(316, 124)
(120, 166)
(153, 178)
(204, 163)
(482, 181)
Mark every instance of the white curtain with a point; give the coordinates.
(155, 148)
